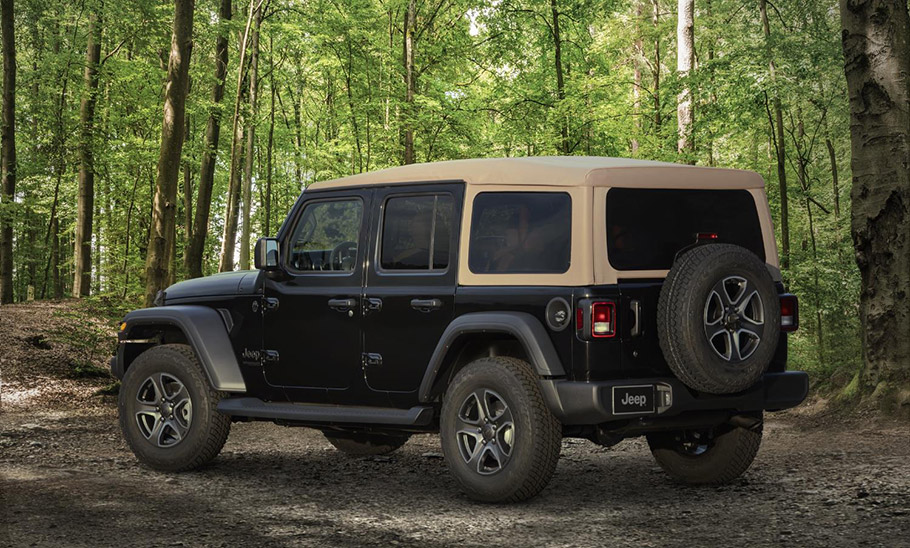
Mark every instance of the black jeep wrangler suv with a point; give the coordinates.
(504, 303)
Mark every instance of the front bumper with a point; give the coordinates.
(582, 403)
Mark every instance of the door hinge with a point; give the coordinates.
(369, 359)
(268, 357)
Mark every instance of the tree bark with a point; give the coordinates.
(228, 242)
(560, 81)
(247, 225)
(636, 82)
(193, 256)
(164, 209)
(655, 19)
(777, 132)
(7, 149)
(267, 206)
(876, 43)
(835, 188)
(410, 22)
(685, 62)
(82, 252)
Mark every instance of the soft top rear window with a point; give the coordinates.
(647, 227)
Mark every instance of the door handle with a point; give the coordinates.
(342, 305)
(426, 305)
(372, 304)
(636, 315)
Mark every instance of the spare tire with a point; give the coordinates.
(718, 318)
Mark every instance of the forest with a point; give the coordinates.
(145, 141)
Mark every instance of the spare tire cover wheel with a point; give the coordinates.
(718, 318)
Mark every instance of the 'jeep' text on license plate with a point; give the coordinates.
(629, 400)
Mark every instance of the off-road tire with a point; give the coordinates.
(208, 429)
(537, 433)
(364, 444)
(681, 318)
(728, 455)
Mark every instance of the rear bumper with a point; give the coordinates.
(581, 403)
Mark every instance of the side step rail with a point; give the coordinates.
(335, 414)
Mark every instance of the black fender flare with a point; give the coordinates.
(526, 328)
(205, 332)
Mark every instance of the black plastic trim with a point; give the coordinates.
(580, 403)
(325, 414)
(204, 330)
(526, 328)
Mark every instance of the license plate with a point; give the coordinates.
(633, 400)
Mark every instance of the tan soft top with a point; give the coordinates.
(556, 171)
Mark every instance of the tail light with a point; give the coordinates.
(595, 319)
(789, 312)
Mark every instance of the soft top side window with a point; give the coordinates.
(520, 232)
(326, 236)
(414, 229)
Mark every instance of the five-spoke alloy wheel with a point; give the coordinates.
(168, 410)
(718, 318)
(486, 431)
(499, 438)
(164, 410)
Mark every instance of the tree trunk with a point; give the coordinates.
(410, 22)
(82, 252)
(835, 189)
(636, 83)
(685, 62)
(655, 18)
(560, 82)
(267, 206)
(777, 131)
(193, 256)
(247, 225)
(164, 209)
(7, 150)
(876, 43)
(229, 238)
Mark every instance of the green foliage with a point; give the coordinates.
(486, 85)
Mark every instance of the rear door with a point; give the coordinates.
(646, 228)
(410, 284)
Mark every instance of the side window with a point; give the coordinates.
(520, 232)
(326, 236)
(414, 230)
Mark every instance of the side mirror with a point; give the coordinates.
(267, 254)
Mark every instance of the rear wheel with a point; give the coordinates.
(168, 410)
(364, 444)
(499, 438)
(704, 457)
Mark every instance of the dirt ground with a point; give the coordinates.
(68, 479)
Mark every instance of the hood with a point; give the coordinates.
(242, 282)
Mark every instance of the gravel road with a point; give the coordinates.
(68, 479)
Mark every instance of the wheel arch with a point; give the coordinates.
(481, 334)
(200, 327)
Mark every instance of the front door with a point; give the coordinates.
(409, 296)
(313, 315)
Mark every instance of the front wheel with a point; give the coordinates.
(499, 438)
(168, 410)
(706, 457)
